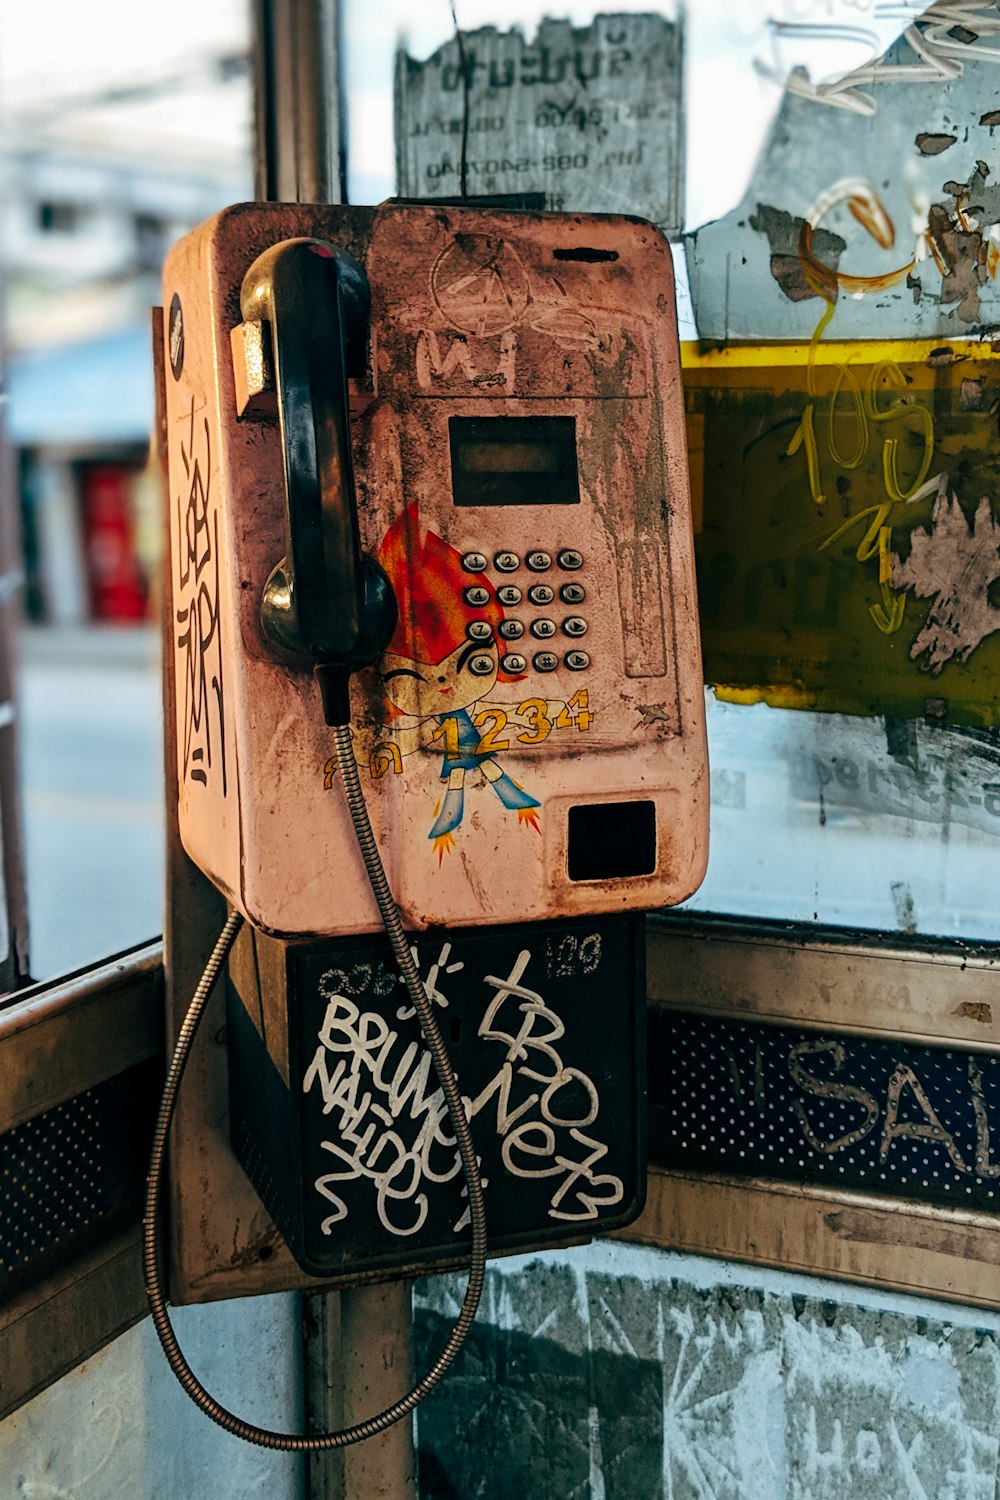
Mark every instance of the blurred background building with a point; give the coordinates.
(97, 185)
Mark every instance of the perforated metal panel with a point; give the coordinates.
(71, 1173)
(751, 1099)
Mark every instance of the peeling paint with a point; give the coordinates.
(975, 1010)
(953, 563)
(931, 144)
(932, 99)
(784, 237)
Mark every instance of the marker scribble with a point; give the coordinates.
(197, 613)
(388, 1123)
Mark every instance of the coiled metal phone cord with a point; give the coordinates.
(151, 1263)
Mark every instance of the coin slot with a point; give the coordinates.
(611, 840)
(585, 253)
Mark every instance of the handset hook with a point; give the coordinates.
(325, 602)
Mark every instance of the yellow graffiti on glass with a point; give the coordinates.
(894, 375)
(864, 205)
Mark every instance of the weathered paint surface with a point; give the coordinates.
(864, 259)
(590, 118)
(477, 321)
(921, 129)
(621, 1374)
(954, 562)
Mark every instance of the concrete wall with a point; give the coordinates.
(620, 1373)
(121, 1428)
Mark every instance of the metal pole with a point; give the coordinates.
(300, 154)
(358, 1345)
(376, 1347)
(13, 891)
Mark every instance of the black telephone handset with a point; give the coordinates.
(325, 602)
(331, 605)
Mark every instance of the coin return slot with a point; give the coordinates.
(585, 253)
(612, 840)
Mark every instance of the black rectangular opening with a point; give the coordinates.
(585, 253)
(612, 840)
(514, 460)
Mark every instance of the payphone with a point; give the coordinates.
(531, 737)
(437, 670)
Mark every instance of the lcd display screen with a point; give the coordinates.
(514, 461)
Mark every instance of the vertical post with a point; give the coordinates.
(13, 892)
(376, 1351)
(358, 1345)
(300, 130)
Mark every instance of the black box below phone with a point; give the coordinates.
(338, 1119)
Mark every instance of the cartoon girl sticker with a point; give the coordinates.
(436, 669)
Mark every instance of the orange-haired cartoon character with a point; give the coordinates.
(438, 665)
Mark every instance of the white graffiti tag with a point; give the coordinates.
(543, 1131)
(373, 1087)
(392, 1125)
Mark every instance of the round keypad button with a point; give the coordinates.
(543, 629)
(541, 593)
(479, 630)
(482, 664)
(512, 662)
(477, 595)
(538, 561)
(545, 661)
(507, 562)
(568, 558)
(572, 593)
(511, 630)
(577, 660)
(574, 625)
(475, 562)
(509, 594)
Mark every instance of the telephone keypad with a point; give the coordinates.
(541, 595)
(482, 664)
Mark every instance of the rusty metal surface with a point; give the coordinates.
(945, 993)
(62, 1038)
(473, 316)
(920, 1248)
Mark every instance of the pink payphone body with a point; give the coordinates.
(532, 740)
